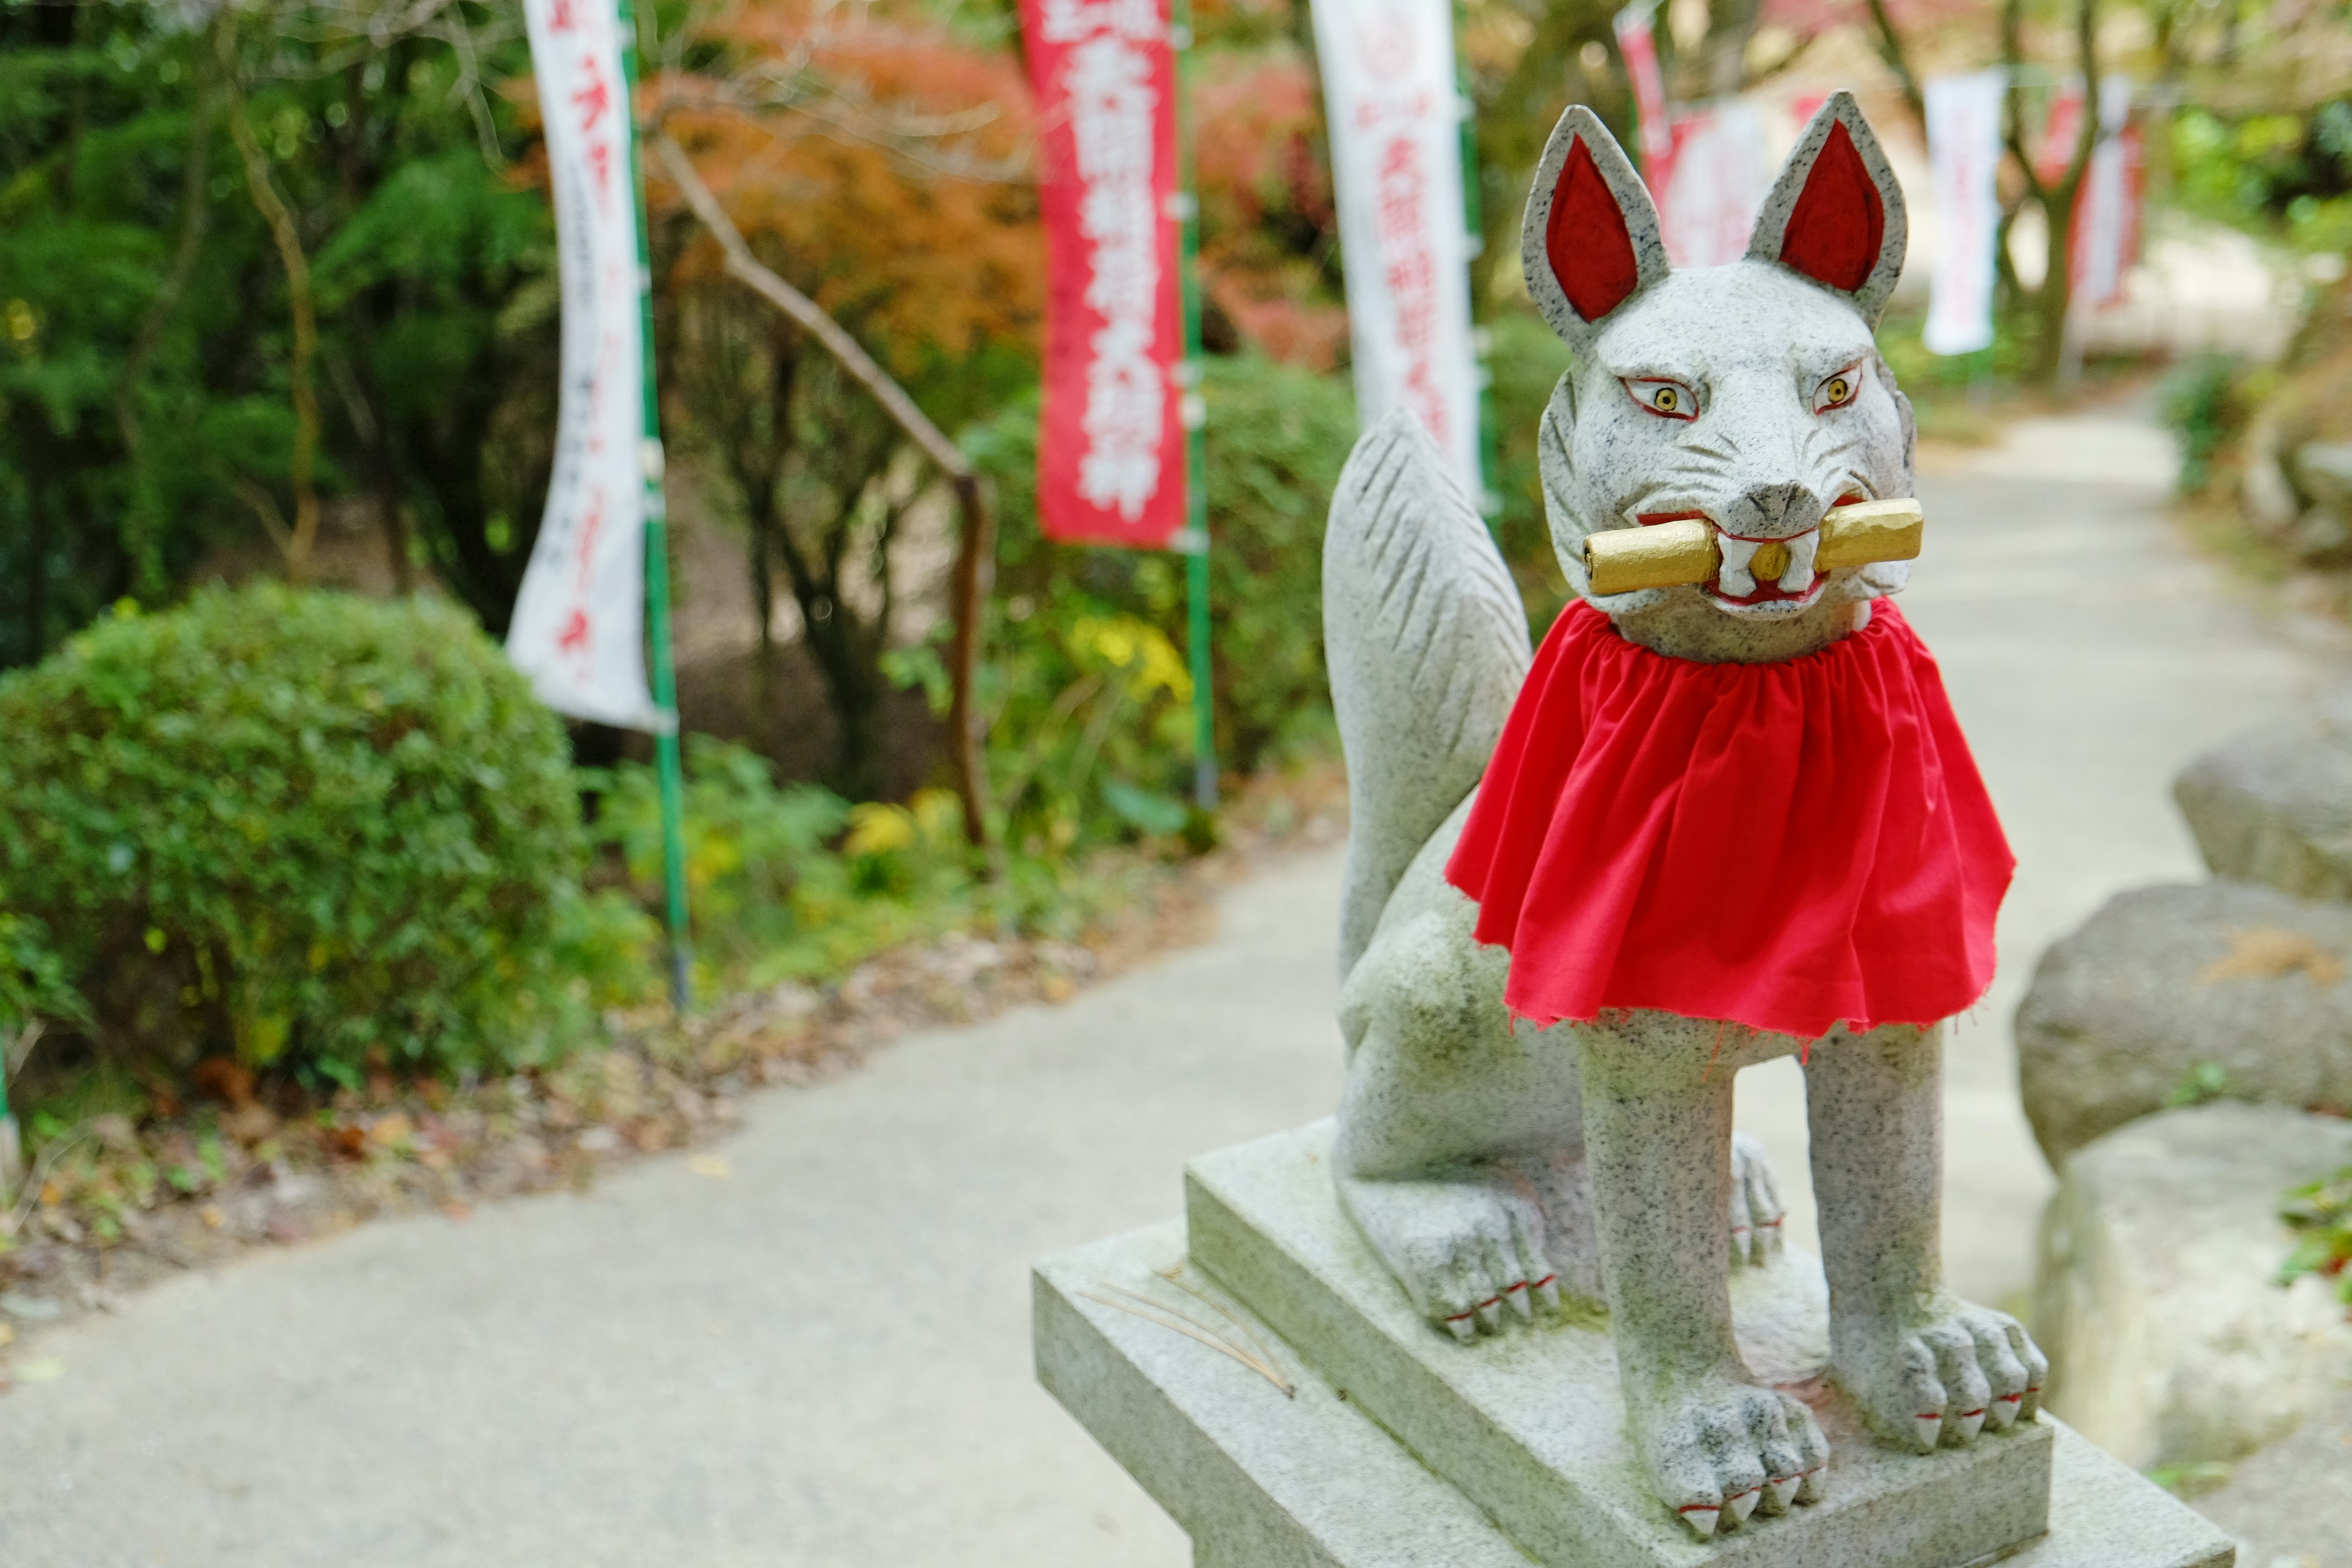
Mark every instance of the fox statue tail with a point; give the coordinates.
(1426, 641)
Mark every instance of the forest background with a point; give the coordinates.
(278, 301)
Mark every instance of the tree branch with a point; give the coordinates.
(280, 220)
(1891, 49)
(977, 536)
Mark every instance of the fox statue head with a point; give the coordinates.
(1751, 396)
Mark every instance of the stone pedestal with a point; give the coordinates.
(1395, 1446)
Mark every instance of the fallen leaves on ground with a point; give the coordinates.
(259, 1164)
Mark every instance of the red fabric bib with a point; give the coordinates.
(1784, 846)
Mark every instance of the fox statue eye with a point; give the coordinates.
(1669, 398)
(1838, 389)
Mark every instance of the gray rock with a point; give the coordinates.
(2156, 1297)
(2290, 1506)
(2276, 805)
(2320, 533)
(2323, 471)
(2220, 987)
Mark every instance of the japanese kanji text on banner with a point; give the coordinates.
(579, 621)
(1110, 459)
(1395, 114)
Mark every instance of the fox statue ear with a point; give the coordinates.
(1835, 214)
(1591, 238)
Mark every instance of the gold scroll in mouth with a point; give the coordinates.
(1670, 554)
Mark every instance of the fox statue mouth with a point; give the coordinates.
(1755, 572)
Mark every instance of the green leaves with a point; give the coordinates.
(303, 828)
(1087, 678)
(32, 983)
(2321, 1215)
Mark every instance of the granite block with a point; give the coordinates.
(1529, 1423)
(1263, 1481)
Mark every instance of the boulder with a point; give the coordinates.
(2155, 1295)
(2290, 1506)
(2177, 993)
(2323, 471)
(2276, 805)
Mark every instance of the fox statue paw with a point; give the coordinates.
(1466, 1250)
(1721, 1449)
(1945, 1376)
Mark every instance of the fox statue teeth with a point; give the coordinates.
(1799, 577)
(1735, 580)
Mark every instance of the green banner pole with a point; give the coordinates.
(12, 1143)
(1196, 418)
(668, 765)
(1474, 221)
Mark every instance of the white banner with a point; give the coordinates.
(2104, 212)
(1714, 185)
(578, 629)
(1395, 117)
(1964, 155)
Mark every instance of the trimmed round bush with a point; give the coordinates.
(302, 828)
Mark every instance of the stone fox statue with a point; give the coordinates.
(1706, 826)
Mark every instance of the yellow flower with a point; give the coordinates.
(1137, 649)
(875, 828)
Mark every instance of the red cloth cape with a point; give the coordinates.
(1785, 846)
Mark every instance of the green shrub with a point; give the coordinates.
(2204, 403)
(790, 883)
(1086, 690)
(311, 830)
(33, 984)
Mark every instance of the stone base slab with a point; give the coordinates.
(1529, 1423)
(1260, 1479)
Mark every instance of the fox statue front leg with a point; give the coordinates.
(1657, 1118)
(1926, 1366)
(1460, 1152)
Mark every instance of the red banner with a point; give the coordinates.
(1640, 47)
(1110, 452)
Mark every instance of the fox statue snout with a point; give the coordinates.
(1740, 418)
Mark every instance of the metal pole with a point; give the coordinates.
(12, 1143)
(1474, 223)
(1196, 482)
(668, 765)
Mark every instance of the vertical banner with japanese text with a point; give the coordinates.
(1110, 449)
(1395, 116)
(1637, 41)
(1964, 153)
(2106, 209)
(578, 628)
(1710, 190)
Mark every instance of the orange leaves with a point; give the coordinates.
(877, 161)
(1266, 203)
(1255, 118)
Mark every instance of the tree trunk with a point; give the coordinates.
(855, 690)
(283, 230)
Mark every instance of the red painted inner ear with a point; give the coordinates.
(1585, 238)
(1840, 222)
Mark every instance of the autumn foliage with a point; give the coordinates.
(881, 159)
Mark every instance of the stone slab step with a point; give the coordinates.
(1262, 1480)
(1528, 1423)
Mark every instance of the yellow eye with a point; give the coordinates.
(1666, 400)
(1837, 391)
